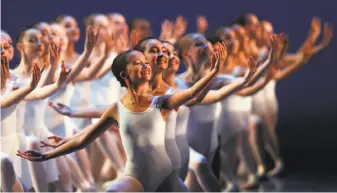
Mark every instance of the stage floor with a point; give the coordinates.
(304, 182)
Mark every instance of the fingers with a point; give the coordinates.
(60, 105)
(95, 36)
(63, 67)
(22, 154)
(44, 66)
(52, 137)
(68, 71)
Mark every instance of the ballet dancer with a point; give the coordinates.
(132, 70)
(15, 175)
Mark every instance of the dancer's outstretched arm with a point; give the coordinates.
(95, 112)
(89, 135)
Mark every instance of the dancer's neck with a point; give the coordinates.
(157, 81)
(169, 78)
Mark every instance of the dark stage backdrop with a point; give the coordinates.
(308, 99)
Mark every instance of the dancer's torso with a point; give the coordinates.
(143, 138)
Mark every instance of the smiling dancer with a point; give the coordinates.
(15, 175)
(131, 70)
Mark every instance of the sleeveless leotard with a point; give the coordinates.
(143, 138)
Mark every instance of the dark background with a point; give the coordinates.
(308, 99)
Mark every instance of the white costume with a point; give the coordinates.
(170, 137)
(30, 119)
(105, 90)
(143, 138)
(13, 138)
(53, 120)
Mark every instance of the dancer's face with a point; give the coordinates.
(102, 22)
(45, 30)
(174, 60)
(199, 51)
(267, 31)
(31, 43)
(157, 55)
(252, 19)
(7, 50)
(59, 36)
(241, 35)
(138, 68)
(72, 30)
(143, 29)
(231, 40)
(118, 21)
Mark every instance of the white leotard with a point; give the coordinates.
(53, 120)
(271, 97)
(143, 138)
(105, 90)
(235, 112)
(170, 137)
(13, 138)
(30, 118)
(77, 97)
(259, 106)
(200, 132)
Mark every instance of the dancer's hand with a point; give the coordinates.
(285, 46)
(202, 24)
(122, 40)
(45, 57)
(53, 141)
(180, 27)
(4, 66)
(91, 38)
(110, 42)
(63, 74)
(251, 64)
(55, 55)
(315, 28)
(274, 47)
(61, 108)
(32, 155)
(223, 53)
(215, 64)
(327, 34)
(36, 76)
(166, 30)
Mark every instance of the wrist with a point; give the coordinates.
(87, 52)
(46, 156)
(70, 114)
(59, 84)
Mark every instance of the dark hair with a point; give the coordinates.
(132, 23)
(119, 65)
(241, 20)
(140, 45)
(214, 40)
(22, 32)
(61, 17)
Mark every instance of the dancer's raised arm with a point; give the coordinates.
(15, 96)
(180, 98)
(82, 61)
(46, 91)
